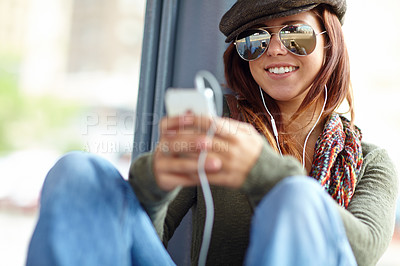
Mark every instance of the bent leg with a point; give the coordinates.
(297, 224)
(89, 215)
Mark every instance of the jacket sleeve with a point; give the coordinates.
(269, 170)
(156, 201)
(370, 216)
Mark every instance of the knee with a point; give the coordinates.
(294, 193)
(72, 165)
(72, 160)
(296, 187)
(77, 170)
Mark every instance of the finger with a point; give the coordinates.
(175, 122)
(213, 163)
(186, 144)
(187, 134)
(176, 165)
(170, 181)
(188, 121)
(229, 128)
(186, 165)
(219, 145)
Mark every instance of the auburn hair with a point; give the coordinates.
(334, 73)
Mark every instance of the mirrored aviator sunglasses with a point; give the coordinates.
(299, 39)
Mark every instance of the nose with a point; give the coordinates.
(276, 47)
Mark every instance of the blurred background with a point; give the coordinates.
(69, 74)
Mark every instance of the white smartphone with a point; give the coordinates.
(179, 101)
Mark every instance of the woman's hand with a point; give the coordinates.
(231, 153)
(237, 145)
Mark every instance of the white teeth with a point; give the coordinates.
(281, 70)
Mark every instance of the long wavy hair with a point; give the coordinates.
(334, 73)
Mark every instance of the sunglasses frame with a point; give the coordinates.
(276, 33)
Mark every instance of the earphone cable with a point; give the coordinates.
(200, 78)
(309, 133)
(205, 186)
(312, 129)
(275, 130)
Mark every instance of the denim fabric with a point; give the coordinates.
(297, 223)
(89, 215)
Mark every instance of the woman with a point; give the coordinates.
(291, 181)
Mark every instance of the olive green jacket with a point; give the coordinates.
(368, 220)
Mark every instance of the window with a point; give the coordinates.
(69, 73)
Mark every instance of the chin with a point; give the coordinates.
(282, 94)
(285, 93)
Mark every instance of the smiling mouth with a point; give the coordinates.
(282, 70)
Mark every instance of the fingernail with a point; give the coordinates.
(187, 119)
(213, 164)
(170, 133)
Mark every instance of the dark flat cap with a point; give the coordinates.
(247, 13)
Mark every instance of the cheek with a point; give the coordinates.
(315, 61)
(320, 54)
(255, 70)
(252, 68)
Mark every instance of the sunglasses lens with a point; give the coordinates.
(251, 44)
(298, 39)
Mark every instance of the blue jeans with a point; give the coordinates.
(297, 223)
(89, 215)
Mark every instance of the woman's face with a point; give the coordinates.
(291, 87)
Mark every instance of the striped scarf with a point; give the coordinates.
(338, 158)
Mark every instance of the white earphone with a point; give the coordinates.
(275, 130)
